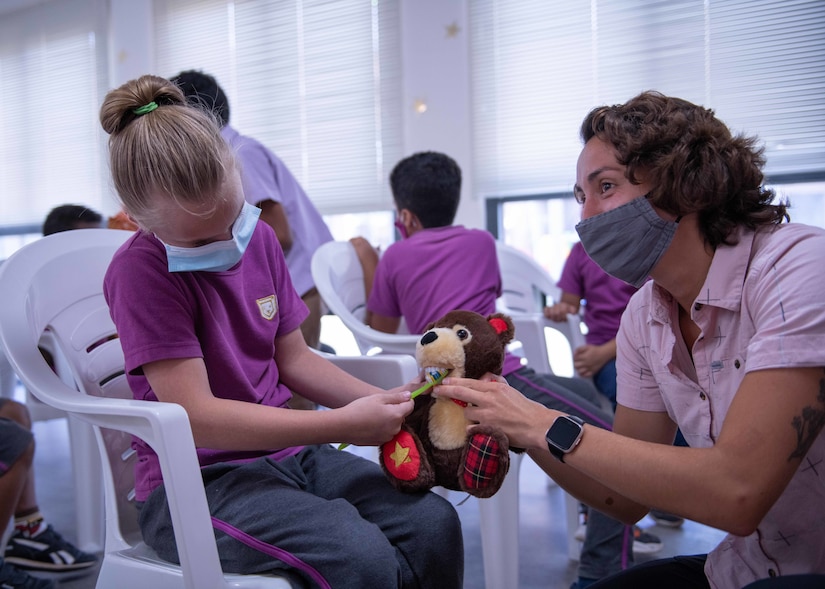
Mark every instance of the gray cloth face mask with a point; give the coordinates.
(628, 241)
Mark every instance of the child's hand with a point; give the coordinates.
(588, 359)
(367, 254)
(377, 418)
(559, 311)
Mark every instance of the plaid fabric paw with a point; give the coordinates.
(483, 462)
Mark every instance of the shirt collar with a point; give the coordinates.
(723, 284)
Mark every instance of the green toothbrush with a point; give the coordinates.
(433, 376)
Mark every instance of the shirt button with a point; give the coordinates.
(702, 396)
(737, 363)
(697, 307)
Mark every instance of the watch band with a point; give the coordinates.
(558, 452)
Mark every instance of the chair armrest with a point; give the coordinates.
(165, 427)
(385, 371)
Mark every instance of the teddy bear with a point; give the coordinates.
(434, 446)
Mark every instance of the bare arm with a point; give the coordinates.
(772, 422)
(368, 256)
(367, 415)
(274, 215)
(568, 305)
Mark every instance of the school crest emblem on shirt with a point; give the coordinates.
(268, 306)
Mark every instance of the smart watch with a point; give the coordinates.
(565, 433)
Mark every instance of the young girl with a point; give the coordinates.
(208, 319)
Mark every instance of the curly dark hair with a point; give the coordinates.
(428, 184)
(692, 162)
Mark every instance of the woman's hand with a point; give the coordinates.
(491, 401)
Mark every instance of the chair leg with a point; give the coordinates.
(571, 508)
(499, 521)
(87, 473)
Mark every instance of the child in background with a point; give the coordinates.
(438, 267)
(34, 545)
(607, 297)
(208, 318)
(68, 217)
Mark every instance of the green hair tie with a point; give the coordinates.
(146, 108)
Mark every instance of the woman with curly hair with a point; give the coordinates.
(726, 343)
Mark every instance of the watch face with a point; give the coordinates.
(563, 433)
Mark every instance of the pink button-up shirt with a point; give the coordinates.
(762, 306)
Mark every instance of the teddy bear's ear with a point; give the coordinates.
(504, 327)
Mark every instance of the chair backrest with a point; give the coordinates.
(339, 278)
(527, 287)
(53, 293)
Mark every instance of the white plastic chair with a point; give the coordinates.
(526, 289)
(55, 285)
(339, 278)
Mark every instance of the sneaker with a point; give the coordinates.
(666, 520)
(645, 542)
(46, 551)
(13, 578)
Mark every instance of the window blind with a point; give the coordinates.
(318, 82)
(538, 67)
(52, 79)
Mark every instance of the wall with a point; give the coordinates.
(435, 59)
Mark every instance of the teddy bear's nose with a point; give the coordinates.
(428, 338)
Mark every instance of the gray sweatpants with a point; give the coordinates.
(328, 518)
(608, 543)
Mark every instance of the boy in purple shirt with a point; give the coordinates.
(208, 319)
(606, 298)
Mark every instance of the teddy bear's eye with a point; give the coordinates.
(462, 334)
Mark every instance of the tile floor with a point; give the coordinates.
(544, 563)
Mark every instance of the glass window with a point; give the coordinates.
(538, 67)
(52, 80)
(318, 82)
(545, 227)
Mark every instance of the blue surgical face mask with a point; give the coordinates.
(627, 242)
(217, 256)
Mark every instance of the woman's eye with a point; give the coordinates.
(605, 186)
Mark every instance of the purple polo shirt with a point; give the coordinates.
(761, 307)
(266, 177)
(230, 319)
(436, 271)
(606, 296)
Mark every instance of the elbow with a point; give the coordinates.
(743, 513)
(743, 521)
(286, 242)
